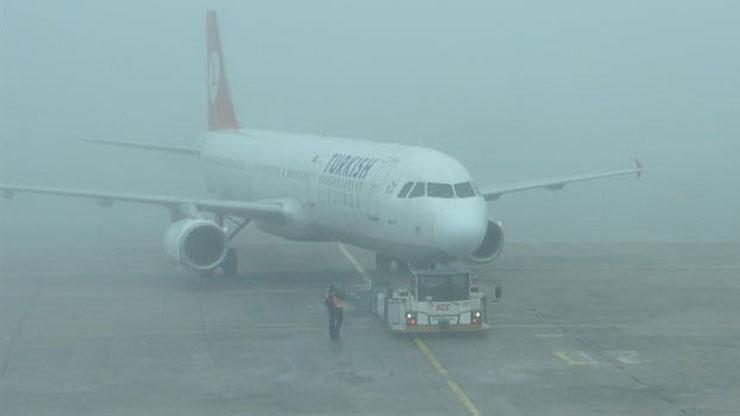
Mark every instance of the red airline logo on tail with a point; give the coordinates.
(214, 75)
(221, 114)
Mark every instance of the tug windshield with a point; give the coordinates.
(444, 288)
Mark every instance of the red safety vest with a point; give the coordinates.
(335, 301)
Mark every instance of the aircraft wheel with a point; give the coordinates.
(229, 263)
(425, 266)
(383, 263)
(402, 265)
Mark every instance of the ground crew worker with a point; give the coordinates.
(335, 305)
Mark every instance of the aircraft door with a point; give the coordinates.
(378, 190)
(315, 193)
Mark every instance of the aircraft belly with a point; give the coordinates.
(387, 243)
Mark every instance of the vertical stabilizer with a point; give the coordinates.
(221, 114)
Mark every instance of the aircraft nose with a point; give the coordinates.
(460, 231)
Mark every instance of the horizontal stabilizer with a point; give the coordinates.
(148, 146)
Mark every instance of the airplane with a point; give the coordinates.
(407, 204)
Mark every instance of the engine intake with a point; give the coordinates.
(197, 244)
(492, 245)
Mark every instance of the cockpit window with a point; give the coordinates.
(440, 190)
(464, 190)
(418, 190)
(437, 190)
(405, 190)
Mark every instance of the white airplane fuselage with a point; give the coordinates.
(347, 190)
(405, 203)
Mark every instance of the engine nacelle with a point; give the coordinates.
(492, 245)
(196, 244)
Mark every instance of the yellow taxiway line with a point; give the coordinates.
(422, 346)
(442, 371)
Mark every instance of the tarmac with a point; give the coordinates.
(582, 329)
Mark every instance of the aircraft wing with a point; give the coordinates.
(254, 210)
(491, 193)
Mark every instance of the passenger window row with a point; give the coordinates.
(437, 190)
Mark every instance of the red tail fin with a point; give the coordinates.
(221, 114)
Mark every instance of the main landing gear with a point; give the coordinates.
(384, 263)
(230, 262)
(228, 265)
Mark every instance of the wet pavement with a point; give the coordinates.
(582, 329)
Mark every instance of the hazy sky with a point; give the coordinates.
(516, 90)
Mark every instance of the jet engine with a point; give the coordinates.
(197, 244)
(492, 245)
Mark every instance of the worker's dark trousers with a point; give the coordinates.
(336, 316)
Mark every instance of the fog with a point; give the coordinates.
(605, 309)
(516, 90)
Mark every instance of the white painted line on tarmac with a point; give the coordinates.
(576, 358)
(626, 357)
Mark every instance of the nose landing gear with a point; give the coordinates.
(384, 263)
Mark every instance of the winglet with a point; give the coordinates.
(221, 115)
(639, 168)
